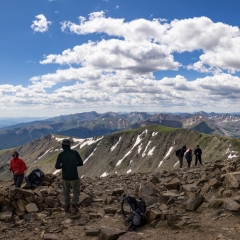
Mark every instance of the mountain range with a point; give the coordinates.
(146, 149)
(91, 124)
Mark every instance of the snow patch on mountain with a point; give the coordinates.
(114, 146)
(57, 171)
(90, 141)
(166, 155)
(138, 140)
(176, 164)
(104, 174)
(144, 152)
(45, 152)
(139, 148)
(151, 151)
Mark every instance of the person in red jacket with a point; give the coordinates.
(18, 167)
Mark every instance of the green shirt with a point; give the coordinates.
(68, 161)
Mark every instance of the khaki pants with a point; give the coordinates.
(67, 186)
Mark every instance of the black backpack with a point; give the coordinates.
(178, 152)
(137, 215)
(34, 178)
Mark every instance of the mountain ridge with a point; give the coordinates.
(90, 124)
(146, 149)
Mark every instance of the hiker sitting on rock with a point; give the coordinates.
(17, 167)
(68, 161)
(180, 153)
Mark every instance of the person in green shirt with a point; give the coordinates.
(68, 161)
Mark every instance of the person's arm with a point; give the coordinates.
(79, 160)
(10, 167)
(58, 164)
(23, 166)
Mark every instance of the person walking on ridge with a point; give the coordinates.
(180, 153)
(68, 161)
(17, 167)
(188, 157)
(198, 155)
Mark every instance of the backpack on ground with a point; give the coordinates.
(34, 178)
(178, 152)
(137, 212)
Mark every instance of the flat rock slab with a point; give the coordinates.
(110, 233)
(48, 236)
(92, 232)
(131, 236)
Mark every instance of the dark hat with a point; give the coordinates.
(66, 142)
(190, 150)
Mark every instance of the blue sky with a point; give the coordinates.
(65, 56)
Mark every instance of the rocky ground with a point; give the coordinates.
(200, 202)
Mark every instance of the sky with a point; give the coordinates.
(60, 57)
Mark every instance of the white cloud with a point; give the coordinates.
(219, 42)
(41, 24)
(118, 73)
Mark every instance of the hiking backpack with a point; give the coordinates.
(137, 212)
(34, 178)
(178, 152)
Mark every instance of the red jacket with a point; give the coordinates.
(17, 164)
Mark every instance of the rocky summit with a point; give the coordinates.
(201, 202)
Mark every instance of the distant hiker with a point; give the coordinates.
(180, 153)
(68, 161)
(198, 155)
(188, 157)
(17, 167)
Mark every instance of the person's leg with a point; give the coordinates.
(19, 180)
(15, 180)
(66, 194)
(196, 159)
(189, 163)
(76, 192)
(180, 161)
(200, 159)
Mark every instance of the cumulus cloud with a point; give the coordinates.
(41, 24)
(119, 72)
(219, 42)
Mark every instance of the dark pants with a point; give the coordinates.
(189, 163)
(180, 159)
(198, 157)
(18, 179)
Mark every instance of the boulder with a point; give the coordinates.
(6, 216)
(31, 208)
(152, 215)
(117, 191)
(193, 203)
(84, 200)
(110, 233)
(231, 205)
(232, 180)
(149, 189)
(173, 184)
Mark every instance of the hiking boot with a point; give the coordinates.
(73, 208)
(66, 208)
